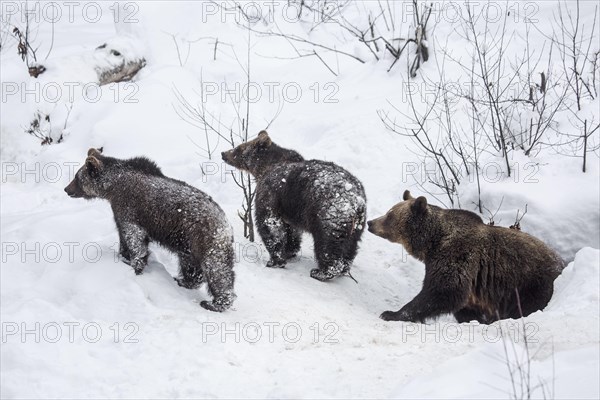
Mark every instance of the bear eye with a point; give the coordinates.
(115, 53)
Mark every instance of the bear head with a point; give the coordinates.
(258, 155)
(405, 223)
(87, 181)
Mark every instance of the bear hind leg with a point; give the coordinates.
(350, 250)
(190, 272)
(219, 275)
(330, 259)
(469, 314)
(530, 300)
(293, 242)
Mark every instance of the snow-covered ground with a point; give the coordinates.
(76, 322)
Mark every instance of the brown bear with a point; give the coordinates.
(472, 270)
(149, 206)
(294, 195)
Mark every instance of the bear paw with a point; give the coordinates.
(138, 264)
(321, 275)
(186, 283)
(390, 316)
(138, 270)
(276, 264)
(399, 316)
(217, 305)
(291, 255)
(207, 305)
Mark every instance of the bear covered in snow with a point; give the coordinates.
(472, 270)
(147, 205)
(294, 195)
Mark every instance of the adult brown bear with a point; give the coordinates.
(472, 270)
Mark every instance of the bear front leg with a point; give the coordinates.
(446, 289)
(428, 304)
(417, 310)
(272, 231)
(136, 241)
(124, 252)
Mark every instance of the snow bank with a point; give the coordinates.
(483, 373)
(491, 369)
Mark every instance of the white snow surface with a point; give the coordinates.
(78, 323)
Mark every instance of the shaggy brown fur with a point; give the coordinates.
(475, 271)
(148, 206)
(294, 195)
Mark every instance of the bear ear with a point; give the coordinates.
(420, 204)
(407, 195)
(93, 165)
(95, 152)
(263, 137)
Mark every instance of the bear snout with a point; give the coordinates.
(71, 190)
(375, 226)
(371, 226)
(68, 191)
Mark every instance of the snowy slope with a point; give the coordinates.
(105, 332)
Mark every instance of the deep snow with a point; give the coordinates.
(316, 339)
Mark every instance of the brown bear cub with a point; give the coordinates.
(294, 195)
(472, 270)
(150, 206)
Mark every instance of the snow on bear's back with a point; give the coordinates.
(342, 195)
